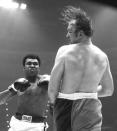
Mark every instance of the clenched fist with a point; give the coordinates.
(20, 84)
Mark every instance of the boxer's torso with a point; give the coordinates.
(34, 100)
(83, 69)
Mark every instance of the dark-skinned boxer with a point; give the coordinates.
(32, 97)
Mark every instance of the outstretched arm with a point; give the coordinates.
(20, 85)
(6, 96)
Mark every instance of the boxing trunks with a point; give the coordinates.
(78, 112)
(24, 125)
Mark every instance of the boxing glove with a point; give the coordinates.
(44, 80)
(20, 84)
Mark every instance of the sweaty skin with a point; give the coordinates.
(81, 73)
(34, 100)
(78, 68)
(84, 66)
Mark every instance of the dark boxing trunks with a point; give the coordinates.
(78, 115)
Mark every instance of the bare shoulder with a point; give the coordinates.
(21, 79)
(45, 77)
(61, 53)
(62, 49)
(99, 52)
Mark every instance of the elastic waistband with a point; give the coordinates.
(35, 119)
(79, 95)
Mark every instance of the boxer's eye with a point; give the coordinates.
(32, 63)
(35, 63)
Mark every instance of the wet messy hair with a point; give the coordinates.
(31, 56)
(83, 22)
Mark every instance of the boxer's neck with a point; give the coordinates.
(32, 79)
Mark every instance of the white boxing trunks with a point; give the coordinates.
(20, 125)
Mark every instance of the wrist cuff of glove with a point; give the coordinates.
(12, 89)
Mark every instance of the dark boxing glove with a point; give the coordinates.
(19, 85)
(44, 80)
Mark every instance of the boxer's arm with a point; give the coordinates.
(55, 78)
(6, 96)
(20, 85)
(107, 87)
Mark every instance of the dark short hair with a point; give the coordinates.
(83, 22)
(31, 56)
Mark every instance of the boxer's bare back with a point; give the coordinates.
(83, 65)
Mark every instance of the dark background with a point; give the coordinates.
(39, 30)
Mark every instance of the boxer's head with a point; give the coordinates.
(31, 56)
(31, 64)
(78, 22)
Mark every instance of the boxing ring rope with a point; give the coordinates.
(7, 114)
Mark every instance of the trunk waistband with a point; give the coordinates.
(28, 118)
(79, 95)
